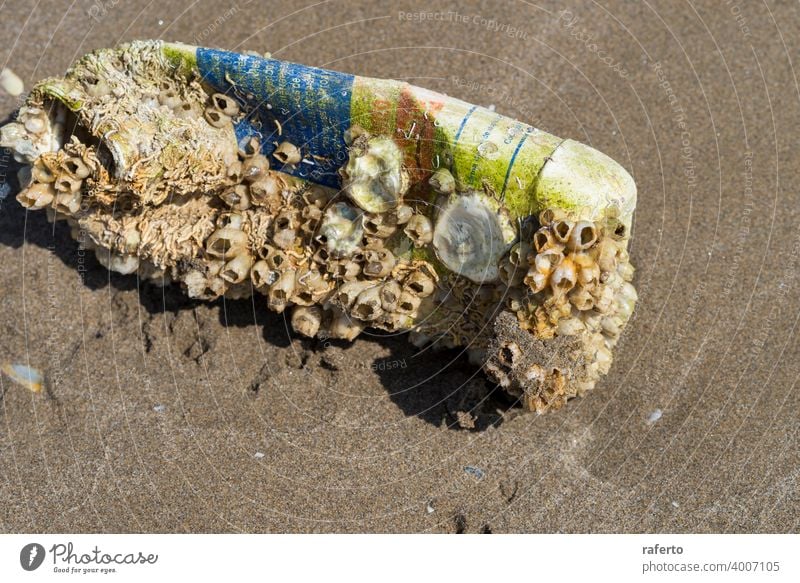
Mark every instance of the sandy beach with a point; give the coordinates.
(163, 414)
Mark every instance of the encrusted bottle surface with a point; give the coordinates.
(351, 202)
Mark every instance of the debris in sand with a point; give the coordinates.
(259, 455)
(465, 420)
(160, 408)
(11, 83)
(655, 416)
(30, 378)
(476, 473)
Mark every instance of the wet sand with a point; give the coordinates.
(166, 415)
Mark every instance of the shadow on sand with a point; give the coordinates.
(438, 386)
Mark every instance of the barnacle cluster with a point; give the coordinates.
(576, 286)
(145, 164)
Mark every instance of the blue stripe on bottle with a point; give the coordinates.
(513, 158)
(484, 136)
(312, 106)
(464, 123)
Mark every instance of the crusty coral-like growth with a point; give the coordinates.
(143, 161)
(543, 374)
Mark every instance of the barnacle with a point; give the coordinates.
(418, 228)
(306, 320)
(374, 176)
(506, 240)
(254, 168)
(342, 230)
(471, 236)
(37, 196)
(287, 153)
(443, 181)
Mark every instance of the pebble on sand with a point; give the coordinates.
(11, 83)
(28, 377)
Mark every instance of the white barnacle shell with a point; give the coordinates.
(341, 230)
(121, 263)
(471, 236)
(32, 134)
(375, 179)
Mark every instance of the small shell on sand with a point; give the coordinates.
(11, 83)
(28, 377)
